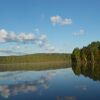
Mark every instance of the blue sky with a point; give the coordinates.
(35, 26)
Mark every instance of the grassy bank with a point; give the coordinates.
(35, 58)
(34, 62)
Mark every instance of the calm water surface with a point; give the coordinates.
(60, 84)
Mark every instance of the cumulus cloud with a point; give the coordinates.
(56, 20)
(3, 35)
(61, 21)
(66, 21)
(81, 32)
(42, 37)
(42, 41)
(25, 38)
(13, 37)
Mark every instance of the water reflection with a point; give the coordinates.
(60, 84)
(14, 83)
(66, 98)
(34, 66)
(91, 70)
(7, 90)
(82, 87)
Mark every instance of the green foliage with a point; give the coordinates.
(35, 58)
(76, 55)
(33, 66)
(89, 54)
(34, 62)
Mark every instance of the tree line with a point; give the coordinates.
(88, 54)
(53, 57)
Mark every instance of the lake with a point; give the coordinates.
(57, 84)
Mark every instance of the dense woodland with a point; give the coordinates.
(87, 55)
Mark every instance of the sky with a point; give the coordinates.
(47, 26)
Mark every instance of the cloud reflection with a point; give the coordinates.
(7, 90)
(21, 85)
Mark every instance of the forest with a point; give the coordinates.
(87, 55)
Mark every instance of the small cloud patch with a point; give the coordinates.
(60, 21)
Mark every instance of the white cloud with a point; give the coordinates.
(66, 21)
(81, 32)
(3, 35)
(13, 37)
(61, 21)
(25, 38)
(56, 20)
(40, 43)
(41, 40)
(43, 37)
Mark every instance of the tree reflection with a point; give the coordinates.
(34, 66)
(88, 70)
